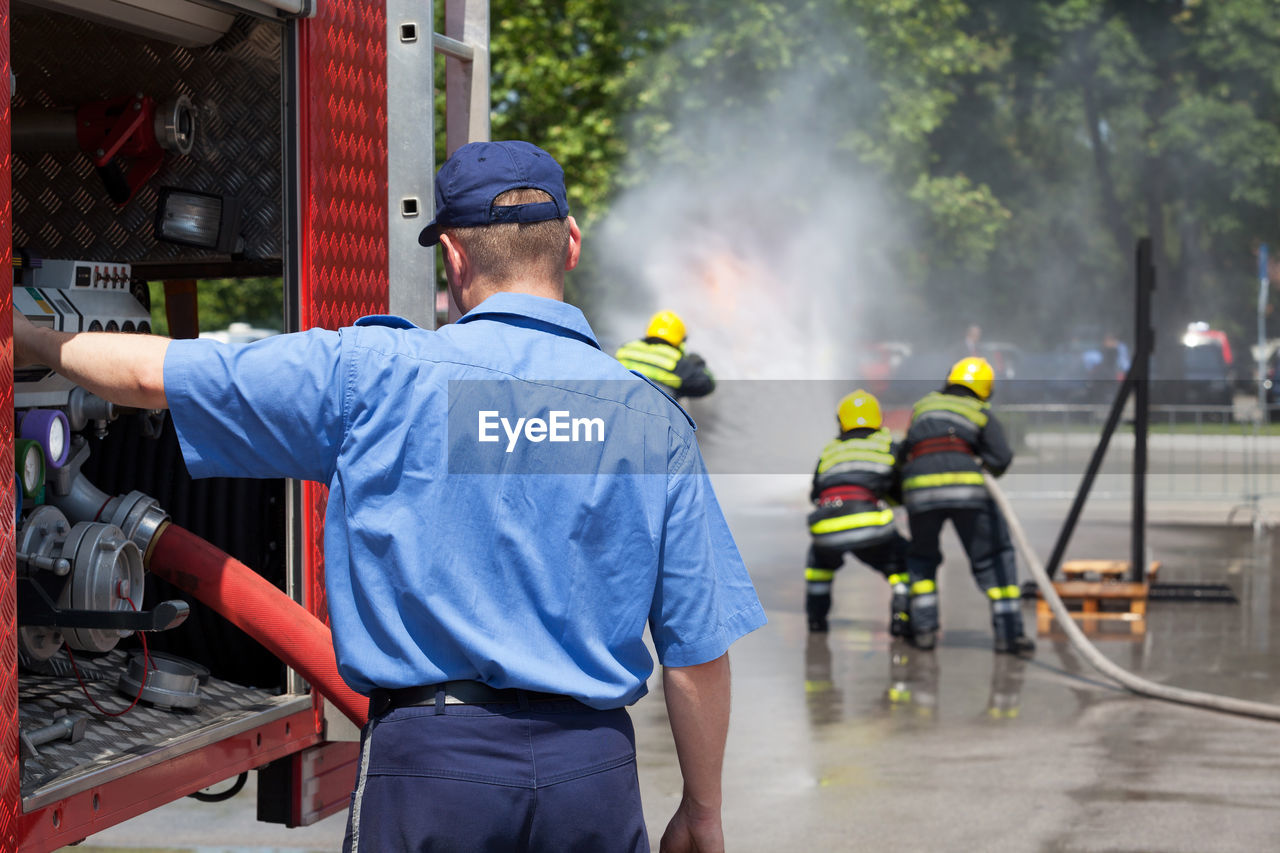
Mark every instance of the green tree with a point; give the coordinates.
(223, 301)
(1166, 112)
(1027, 142)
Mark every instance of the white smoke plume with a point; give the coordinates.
(767, 240)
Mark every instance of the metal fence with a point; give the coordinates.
(1193, 453)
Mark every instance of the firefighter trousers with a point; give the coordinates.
(888, 557)
(985, 536)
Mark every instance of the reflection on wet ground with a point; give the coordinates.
(854, 740)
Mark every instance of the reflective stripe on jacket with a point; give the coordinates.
(956, 429)
(938, 404)
(835, 526)
(854, 460)
(657, 361)
(861, 458)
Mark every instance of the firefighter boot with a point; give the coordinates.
(900, 606)
(924, 614)
(1006, 622)
(816, 606)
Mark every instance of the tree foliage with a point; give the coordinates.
(223, 301)
(1025, 143)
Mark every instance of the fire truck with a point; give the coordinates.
(162, 637)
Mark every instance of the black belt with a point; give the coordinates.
(383, 699)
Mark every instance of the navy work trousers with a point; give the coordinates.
(549, 776)
(984, 535)
(888, 556)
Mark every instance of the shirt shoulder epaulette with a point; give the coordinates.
(390, 321)
(667, 394)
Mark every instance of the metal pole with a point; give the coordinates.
(1086, 483)
(465, 45)
(1140, 373)
(411, 292)
(1263, 360)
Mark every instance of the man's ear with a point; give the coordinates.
(575, 245)
(456, 263)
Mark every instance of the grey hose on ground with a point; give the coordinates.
(1125, 678)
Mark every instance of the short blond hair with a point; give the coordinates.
(510, 251)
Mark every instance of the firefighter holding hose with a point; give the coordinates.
(853, 478)
(952, 437)
(661, 356)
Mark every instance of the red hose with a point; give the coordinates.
(251, 603)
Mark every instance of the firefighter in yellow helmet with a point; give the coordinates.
(952, 437)
(660, 355)
(853, 480)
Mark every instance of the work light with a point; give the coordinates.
(204, 220)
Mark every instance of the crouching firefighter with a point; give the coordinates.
(661, 355)
(855, 475)
(952, 436)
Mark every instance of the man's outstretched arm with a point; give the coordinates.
(126, 369)
(695, 379)
(698, 708)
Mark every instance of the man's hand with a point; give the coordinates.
(698, 709)
(693, 830)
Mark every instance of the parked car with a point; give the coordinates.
(239, 333)
(915, 375)
(1271, 384)
(1054, 376)
(878, 362)
(1205, 377)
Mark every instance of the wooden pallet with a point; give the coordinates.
(1105, 570)
(1097, 595)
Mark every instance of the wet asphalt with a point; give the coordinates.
(852, 741)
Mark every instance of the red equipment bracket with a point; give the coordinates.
(119, 137)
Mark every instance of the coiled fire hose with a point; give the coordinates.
(251, 603)
(1090, 652)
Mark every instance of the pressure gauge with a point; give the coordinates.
(29, 456)
(50, 428)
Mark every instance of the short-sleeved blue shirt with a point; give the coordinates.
(461, 542)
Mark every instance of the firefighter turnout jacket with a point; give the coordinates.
(854, 474)
(953, 434)
(685, 374)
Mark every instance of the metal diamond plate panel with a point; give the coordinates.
(343, 126)
(9, 773)
(345, 161)
(107, 739)
(61, 208)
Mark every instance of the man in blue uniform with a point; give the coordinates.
(508, 508)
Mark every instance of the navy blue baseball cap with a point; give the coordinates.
(479, 172)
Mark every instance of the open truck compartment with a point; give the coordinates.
(208, 88)
(154, 145)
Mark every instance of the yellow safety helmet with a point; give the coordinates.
(859, 409)
(668, 326)
(973, 373)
